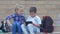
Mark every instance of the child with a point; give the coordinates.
(35, 25)
(18, 19)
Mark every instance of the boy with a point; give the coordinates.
(35, 25)
(18, 19)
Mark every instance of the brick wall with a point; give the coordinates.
(44, 7)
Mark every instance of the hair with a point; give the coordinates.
(18, 7)
(33, 9)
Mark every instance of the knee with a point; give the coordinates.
(13, 24)
(22, 25)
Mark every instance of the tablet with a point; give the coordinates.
(28, 22)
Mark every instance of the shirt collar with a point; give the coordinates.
(33, 17)
(18, 15)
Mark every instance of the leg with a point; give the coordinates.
(14, 28)
(19, 28)
(38, 29)
(31, 28)
(24, 29)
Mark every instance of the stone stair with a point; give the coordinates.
(45, 7)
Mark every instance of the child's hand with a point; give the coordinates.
(23, 23)
(37, 25)
(33, 23)
(10, 24)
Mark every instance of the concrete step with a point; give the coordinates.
(37, 33)
(56, 28)
(30, 0)
(57, 23)
(49, 33)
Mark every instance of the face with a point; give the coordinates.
(32, 14)
(20, 11)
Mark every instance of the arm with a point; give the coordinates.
(24, 20)
(9, 23)
(39, 22)
(37, 25)
(9, 20)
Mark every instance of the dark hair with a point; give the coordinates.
(33, 9)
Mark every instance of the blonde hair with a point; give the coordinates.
(18, 7)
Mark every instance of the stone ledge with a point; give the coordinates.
(38, 33)
(30, 2)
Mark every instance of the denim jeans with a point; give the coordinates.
(18, 25)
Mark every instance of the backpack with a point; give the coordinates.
(6, 26)
(47, 24)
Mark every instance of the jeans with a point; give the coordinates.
(18, 25)
(31, 28)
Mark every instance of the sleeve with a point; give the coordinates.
(24, 20)
(9, 17)
(39, 20)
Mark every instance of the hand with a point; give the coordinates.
(37, 25)
(24, 23)
(10, 24)
(33, 23)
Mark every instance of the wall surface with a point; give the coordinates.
(44, 7)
